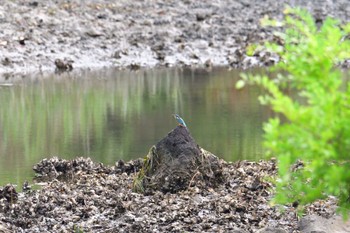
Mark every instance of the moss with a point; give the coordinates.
(138, 182)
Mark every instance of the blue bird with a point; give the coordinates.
(180, 120)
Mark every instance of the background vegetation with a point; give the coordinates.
(313, 124)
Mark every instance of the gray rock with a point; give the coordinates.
(318, 224)
(3, 229)
(271, 230)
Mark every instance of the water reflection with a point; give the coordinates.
(111, 115)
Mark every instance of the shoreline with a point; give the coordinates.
(132, 35)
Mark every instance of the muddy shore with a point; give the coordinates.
(40, 36)
(84, 196)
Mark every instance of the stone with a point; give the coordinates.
(318, 224)
(271, 230)
(176, 163)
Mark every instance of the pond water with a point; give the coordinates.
(111, 115)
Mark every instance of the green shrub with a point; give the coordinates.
(312, 124)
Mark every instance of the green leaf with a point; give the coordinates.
(240, 84)
(312, 102)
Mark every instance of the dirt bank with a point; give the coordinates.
(104, 33)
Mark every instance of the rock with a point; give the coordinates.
(3, 42)
(33, 4)
(160, 55)
(201, 16)
(120, 53)
(63, 65)
(134, 66)
(208, 63)
(132, 166)
(22, 40)
(6, 61)
(237, 230)
(271, 230)
(93, 33)
(318, 224)
(57, 168)
(158, 46)
(176, 163)
(26, 187)
(3, 229)
(9, 193)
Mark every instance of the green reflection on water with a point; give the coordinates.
(112, 115)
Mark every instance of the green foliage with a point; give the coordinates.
(250, 50)
(138, 182)
(312, 123)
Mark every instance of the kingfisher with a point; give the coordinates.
(180, 120)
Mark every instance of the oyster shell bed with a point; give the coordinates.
(47, 35)
(84, 196)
